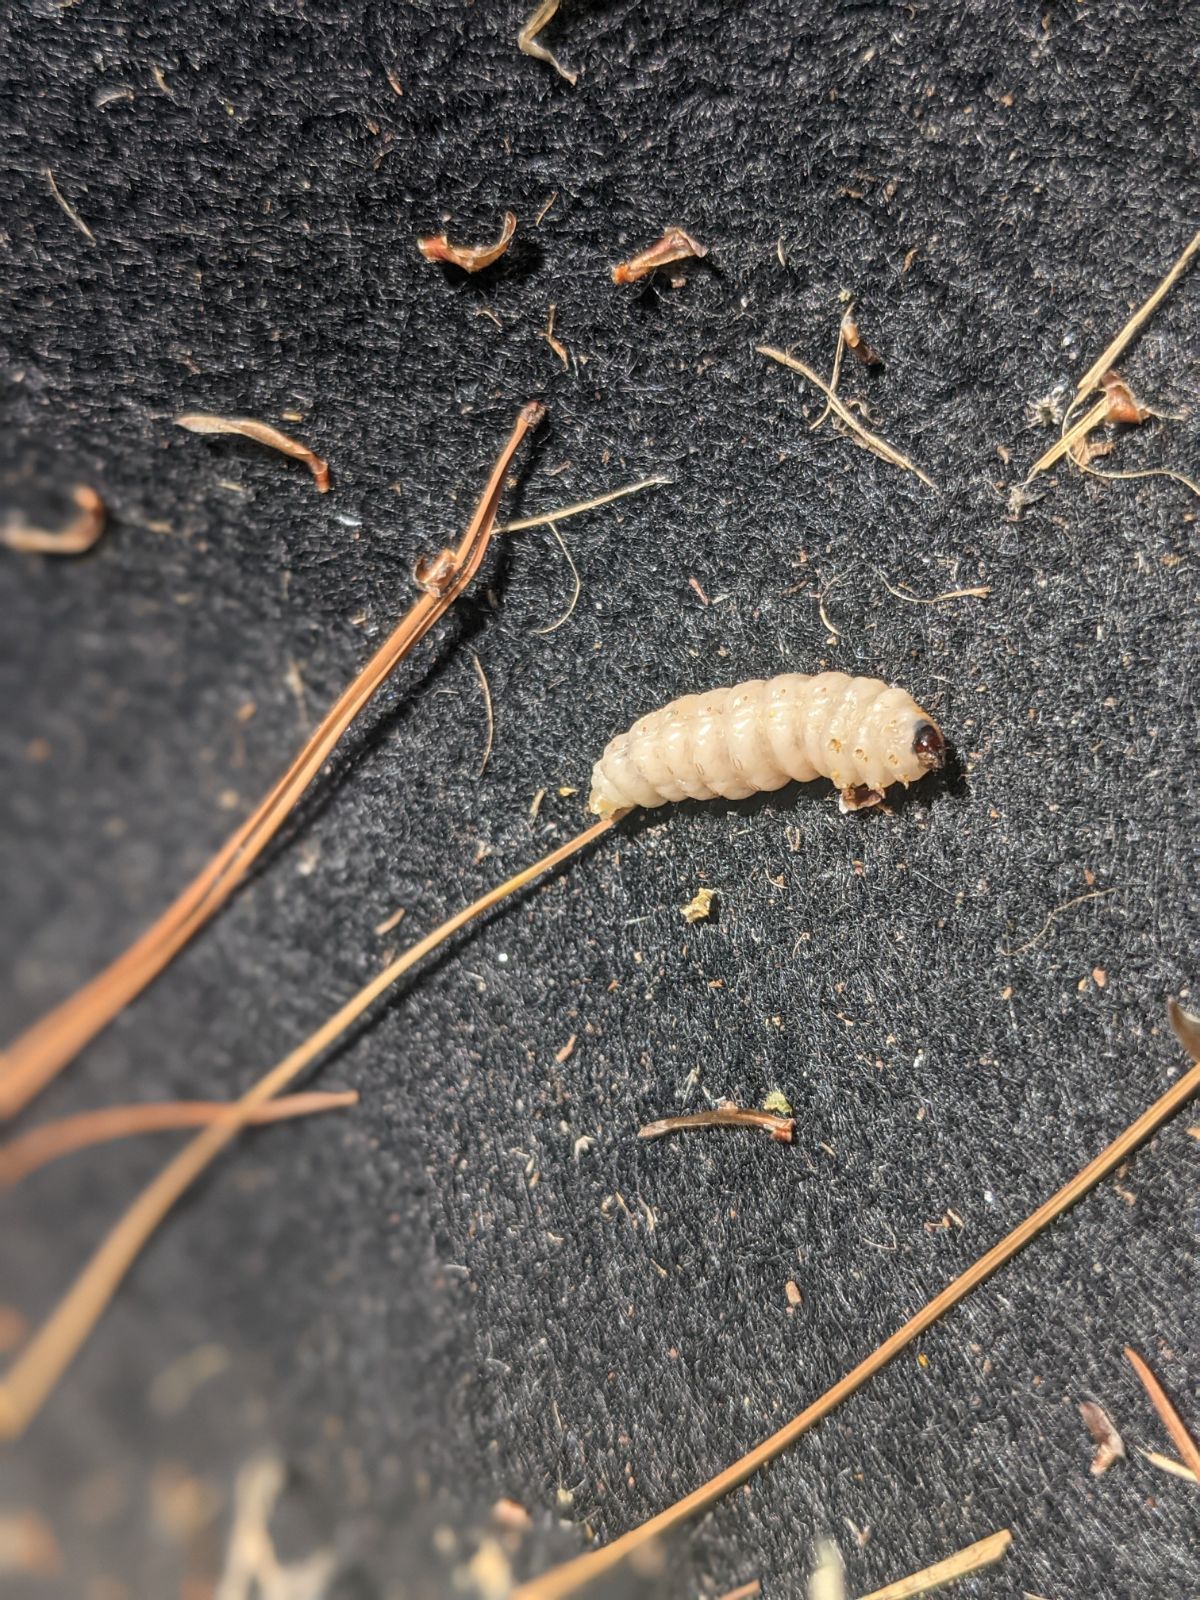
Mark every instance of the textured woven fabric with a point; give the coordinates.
(479, 1282)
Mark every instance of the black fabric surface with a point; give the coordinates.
(442, 1297)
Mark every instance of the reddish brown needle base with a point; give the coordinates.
(41, 1053)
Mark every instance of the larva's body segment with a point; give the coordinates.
(860, 733)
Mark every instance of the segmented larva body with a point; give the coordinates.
(860, 733)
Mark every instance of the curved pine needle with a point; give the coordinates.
(1051, 918)
(566, 616)
(527, 40)
(44, 1049)
(261, 433)
(471, 258)
(79, 535)
(35, 1372)
(1169, 1417)
(31, 1151)
(572, 1575)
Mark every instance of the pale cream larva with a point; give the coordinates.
(860, 733)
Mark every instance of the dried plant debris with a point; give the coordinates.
(527, 39)
(471, 258)
(699, 907)
(261, 433)
(548, 518)
(79, 535)
(1186, 1027)
(781, 1129)
(777, 1102)
(675, 245)
(1169, 1417)
(869, 441)
(960, 1565)
(1122, 407)
(68, 207)
(559, 348)
(1145, 311)
(1110, 1446)
(869, 356)
(1169, 1464)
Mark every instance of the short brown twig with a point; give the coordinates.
(261, 433)
(780, 1128)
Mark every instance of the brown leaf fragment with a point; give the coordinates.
(1110, 1446)
(527, 39)
(261, 433)
(79, 535)
(1122, 407)
(675, 245)
(471, 258)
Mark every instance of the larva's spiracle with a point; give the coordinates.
(860, 733)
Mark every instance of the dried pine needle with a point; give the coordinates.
(41, 1052)
(780, 1128)
(79, 535)
(471, 258)
(869, 441)
(834, 376)
(675, 245)
(261, 433)
(960, 1565)
(1170, 1418)
(1051, 918)
(981, 592)
(35, 1372)
(527, 39)
(548, 518)
(1145, 311)
(572, 1575)
(578, 582)
(68, 208)
(560, 349)
(30, 1151)
(491, 721)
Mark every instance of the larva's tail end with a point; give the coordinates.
(929, 746)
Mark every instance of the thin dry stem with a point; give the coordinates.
(834, 376)
(981, 592)
(79, 535)
(527, 40)
(44, 1049)
(548, 518)
(559, 348)
(869, 441)
(578, 581)
(68, 207)
(491, 720)
(1070, 437)
(1113, 351)
(34, 1374)
(1169, 1417)
(780, 1128)
(572, 1575)
(1169, 1464)
(1143, 472)
(1051, 918)
(471, 258)
(30, 1151)
(960, 1565)
(261, 433)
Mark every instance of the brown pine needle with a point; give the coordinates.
(68, 208)
(79, 535)
(527, 39)
(979, 593)
(780, 1128)
(1169, 1464)
(471, 258)
(35, 1372)
(45, 1048)
(37, 1148)
(744, 1591)
(959, 1565)
(1051, 918)
(566, 616)
(261, 433)
(1169, 1417)
(1113, 351)
(870, 441)
(1070, 438)
(580, 506)
(570, 1576)
(491, 720)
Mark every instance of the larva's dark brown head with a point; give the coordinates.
(929, 746)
